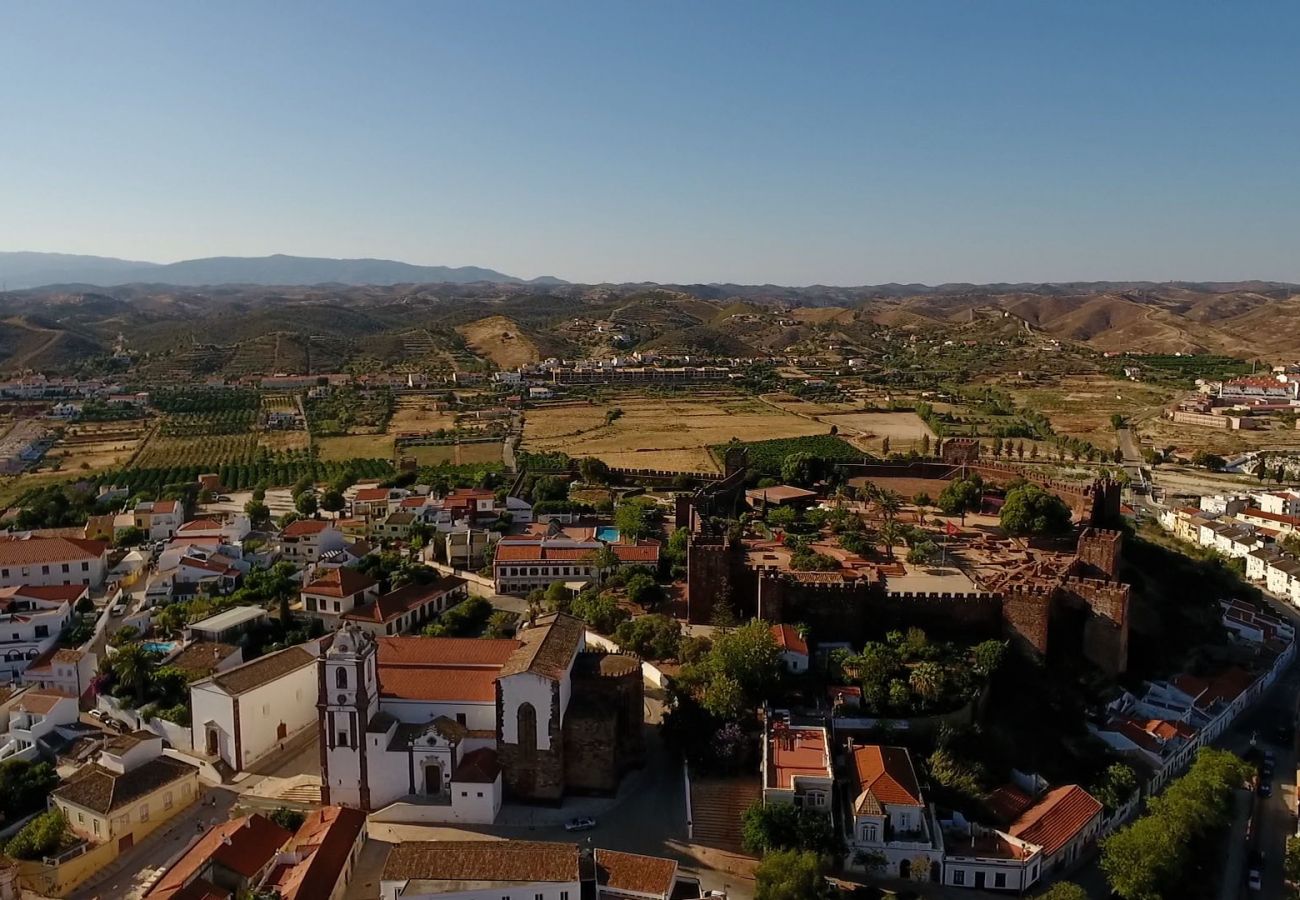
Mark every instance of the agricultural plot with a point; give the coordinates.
(456, 454)
(418, 413)
(355, 446)
(659, 433)
(166, 451)
(97, 445)
(350, 411)
(767, 456)
(905, 430)
(1081, 405)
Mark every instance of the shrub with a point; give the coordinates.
(42, 836)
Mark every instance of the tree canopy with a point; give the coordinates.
(1030, 510)
(790, 875)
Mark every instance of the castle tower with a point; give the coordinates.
(347, 699)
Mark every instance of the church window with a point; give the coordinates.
(341, 677)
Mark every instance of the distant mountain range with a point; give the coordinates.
(19, 271)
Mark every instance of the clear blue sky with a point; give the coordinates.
(847, 143)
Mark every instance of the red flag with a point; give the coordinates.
(949, 528)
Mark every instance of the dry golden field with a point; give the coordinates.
(499, 339)
(457, 455)
(97, 445)
(659, 433)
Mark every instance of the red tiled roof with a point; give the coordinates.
(1225, 686)
(324, 840)
(206, 565)
(1257, 513)
(302, 527)
(370, 495)
(634, 873)
(413, 502)
(35, 551)
(1007, 802)
(401, 601)
(244, 845)
(478, 767)
(199, 525)
(340, 582)
(53, 593)
(442, 669)
(1055, 820)
(886, 774)
(537, 552)
(522, 861)
(424, 651)
(787, 638)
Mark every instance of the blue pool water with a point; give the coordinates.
(162, 647)
(607, 534)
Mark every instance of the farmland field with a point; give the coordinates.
(905, 430)
(163, 451)
(659, 433)
(416, 413)
(464, 454)
(97, 445)
(275, 440)
(355, 446)
(768, 455)
(1081, 405)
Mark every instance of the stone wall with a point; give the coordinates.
(1099, 553)
(532, 774)
(604, 734)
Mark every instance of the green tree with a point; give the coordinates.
(1064, 890)
(988, 656)
(25, 785)
(300, 486)
(42, 836)
(922, 553)
(927, 681)
(557, 597)
(599, 609)
(258, 512)
(306, 503)
(923, 500)
(288, 819)
(782, 517)
(961, 496)
(129, 537)
(1117, 784)
(1291, 860)
(783, 826)
(332, 501)
(1030, 510)
(801, 469)
(501, 624)
(643, 590)
(132, 665)
(593, 470)
(790, 875)
(652, 637)
(632, 521)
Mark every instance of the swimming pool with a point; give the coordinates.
(608, 534)
(159, 647)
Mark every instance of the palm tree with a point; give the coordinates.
(927, 681)
(132, 664)
(889, 534)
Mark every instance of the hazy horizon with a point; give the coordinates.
(847, 144)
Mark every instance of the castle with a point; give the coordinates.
(465, 723)
(1046, 603)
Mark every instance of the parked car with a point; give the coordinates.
(119, 609)
(1255, 876)
(582, 823)
(1265, 788)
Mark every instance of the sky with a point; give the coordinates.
(822, 143)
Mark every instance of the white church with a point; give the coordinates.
(459, 723)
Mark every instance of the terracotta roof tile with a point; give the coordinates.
(491, 861)
(41, 701)
(304, 527)
(787, 638)
(401, 601)
(634, 872)
(244, 845)
(886, 775)
(37, 551)
(547, 649)
(1055, 820)
(325, 840)
(262, 670)
(340, 582)
(104, 791)
(425, 651)
(202, 657)
(478, 767)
